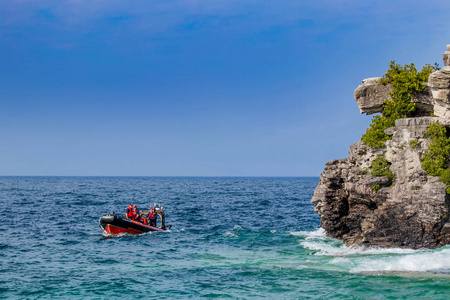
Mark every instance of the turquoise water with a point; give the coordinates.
(238, 238)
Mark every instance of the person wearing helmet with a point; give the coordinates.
(135, 213)
(152, 217)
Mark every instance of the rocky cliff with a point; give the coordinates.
(413, 209)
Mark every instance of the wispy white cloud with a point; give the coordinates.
(268, 12)
(71, 19)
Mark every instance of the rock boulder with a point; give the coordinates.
(371, 95)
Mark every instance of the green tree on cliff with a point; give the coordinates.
(405, 80)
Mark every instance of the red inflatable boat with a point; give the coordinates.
(114, 224)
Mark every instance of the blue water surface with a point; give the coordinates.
(238, 238)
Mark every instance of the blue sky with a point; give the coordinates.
(197, 88)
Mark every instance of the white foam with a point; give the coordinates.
(95, 233)
(373, 259)
(238, 228)
(341, 261)
(377, 251)
(322, 248)
(230, 234)
(235, 231)
(318, 241)
(320, 232)
(418, 261)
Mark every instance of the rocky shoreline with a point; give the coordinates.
(413, 209)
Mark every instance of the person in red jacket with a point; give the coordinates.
(152, 217)
(135, 213)
(129, 212)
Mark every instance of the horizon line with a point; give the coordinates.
(173, 176)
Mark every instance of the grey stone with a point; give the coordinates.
(439, 82)
(412, 211)
(424, 101)
(446, 56)
(371, 95)
(440, 79)
(390, 131)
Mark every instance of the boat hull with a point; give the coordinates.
(113, 224)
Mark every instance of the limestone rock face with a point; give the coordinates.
(411, 211)
(371, 95)
(446, 56)
(425, 104)
(439, 82)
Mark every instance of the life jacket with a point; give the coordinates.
(134, 214)
(129, 212)
(152, 215)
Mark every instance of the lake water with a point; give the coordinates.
(238, 238)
